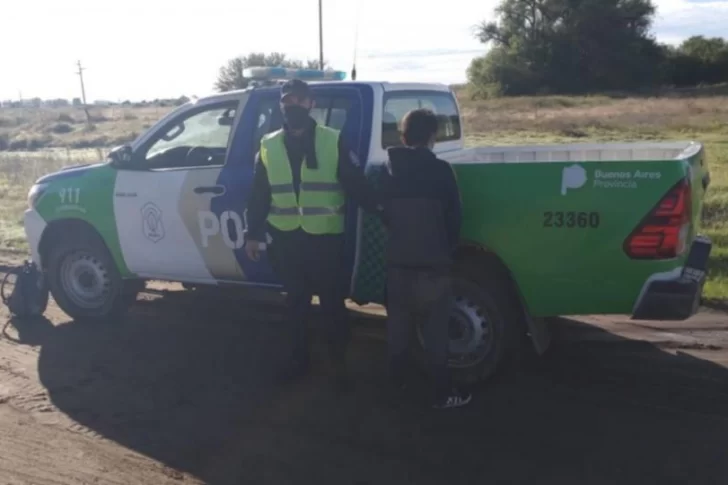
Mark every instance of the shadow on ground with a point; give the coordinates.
(189, 382)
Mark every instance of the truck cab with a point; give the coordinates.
(171, 205)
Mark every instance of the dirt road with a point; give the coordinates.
(182, 392)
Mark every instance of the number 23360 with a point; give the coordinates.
(581, 220)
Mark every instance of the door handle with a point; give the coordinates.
(213, 189)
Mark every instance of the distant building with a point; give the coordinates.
(56, 103)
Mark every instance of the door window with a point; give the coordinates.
(197, 138)
(269, 120)
(331, 111)
(397, 104)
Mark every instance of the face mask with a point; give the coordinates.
(295, 116)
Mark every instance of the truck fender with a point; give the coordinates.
(59, 228)
(536, 327)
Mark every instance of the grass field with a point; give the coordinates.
(699, 115)
(42, 128)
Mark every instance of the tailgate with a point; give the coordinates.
(693, 157)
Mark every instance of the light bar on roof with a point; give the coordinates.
(274, 73)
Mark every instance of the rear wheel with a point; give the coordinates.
(84, 281)
(486, 324)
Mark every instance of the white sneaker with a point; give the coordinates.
(454, 400)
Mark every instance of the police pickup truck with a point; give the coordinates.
(547, 230)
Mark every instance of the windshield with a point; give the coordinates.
(208, 129)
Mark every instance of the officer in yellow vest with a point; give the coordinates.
(303, 175)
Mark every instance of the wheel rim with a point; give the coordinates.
(85, 280)
(470, 331)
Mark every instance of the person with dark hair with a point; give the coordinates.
(303, 175)
(423, 216)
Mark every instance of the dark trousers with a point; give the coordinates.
(419, 296)
(312, 265)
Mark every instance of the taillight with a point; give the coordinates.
(664, 232)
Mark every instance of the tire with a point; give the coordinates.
(486, 325)
(84, 280)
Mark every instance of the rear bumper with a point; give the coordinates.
(677, 298)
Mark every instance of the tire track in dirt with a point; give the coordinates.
(35, 454)
(17, 386)
(25, 393)
(41, 444)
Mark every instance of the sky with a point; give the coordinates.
(146, 49)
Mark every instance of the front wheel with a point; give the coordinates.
(84, 281)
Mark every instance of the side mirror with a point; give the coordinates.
(120, 156)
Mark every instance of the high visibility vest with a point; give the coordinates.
(319, 208)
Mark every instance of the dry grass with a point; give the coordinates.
(607, 118)
(17, 173)
(555, 119)
(40, 128)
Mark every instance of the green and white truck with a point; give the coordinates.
(547, 230)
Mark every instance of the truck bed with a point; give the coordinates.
(577, 152)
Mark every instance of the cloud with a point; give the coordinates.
(403, 44)
(676, 20)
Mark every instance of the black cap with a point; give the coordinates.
(297, 88)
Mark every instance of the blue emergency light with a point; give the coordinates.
(284, 73)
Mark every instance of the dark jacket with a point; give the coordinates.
(350, 174)
(423, 208)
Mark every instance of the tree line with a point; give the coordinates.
(561, 47)
(586, 46)
(230, 76)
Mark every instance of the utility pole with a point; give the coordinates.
(321, 36)
(83, 92)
